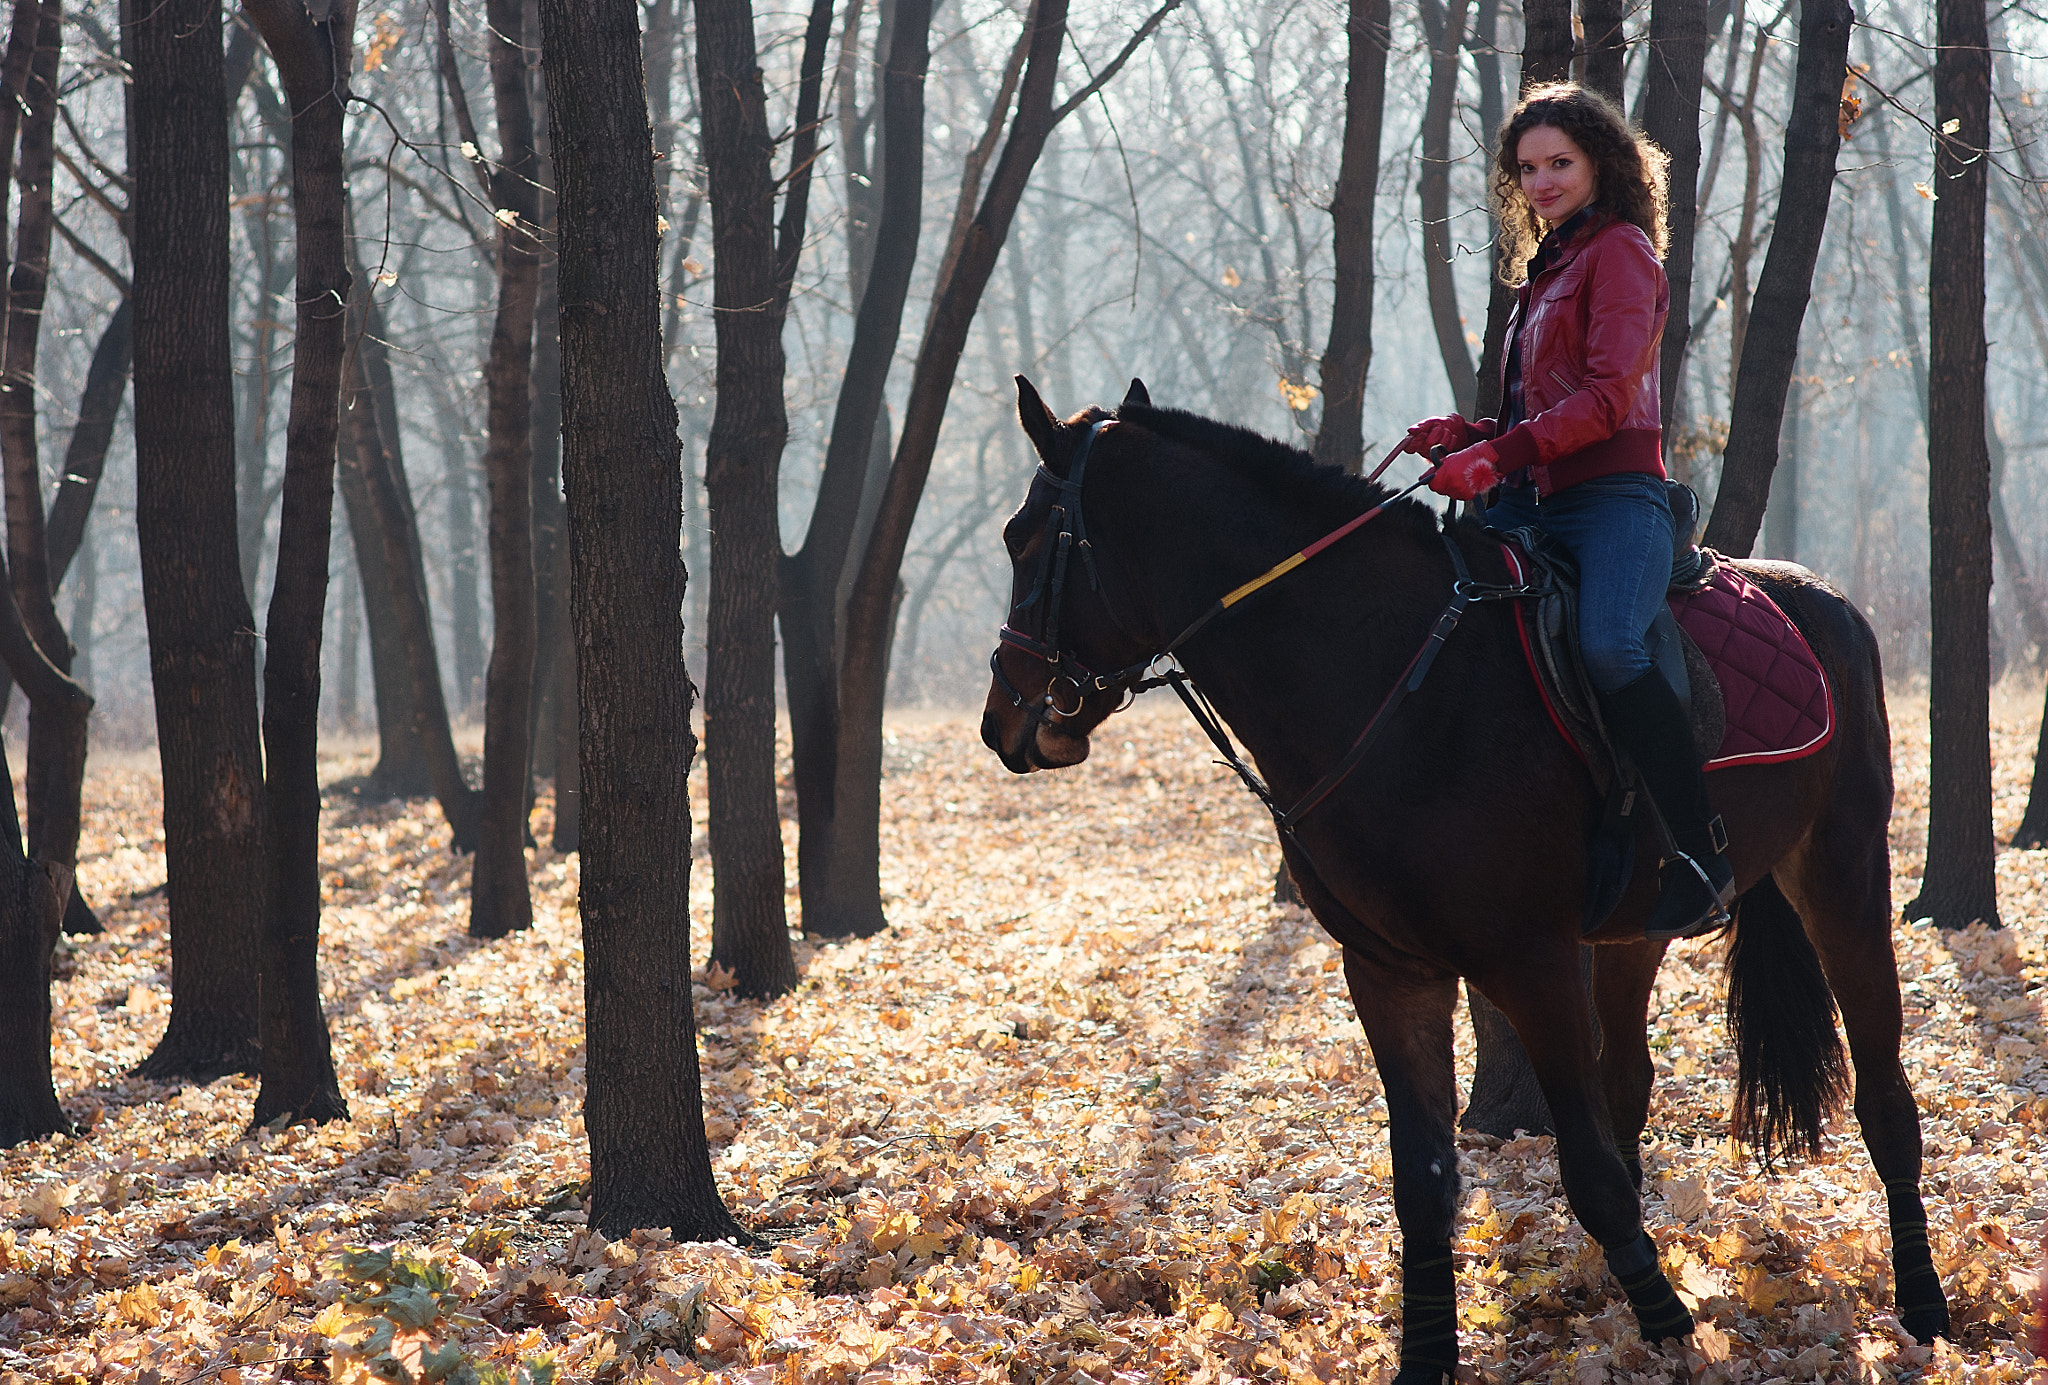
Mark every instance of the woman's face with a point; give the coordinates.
(1557, 177)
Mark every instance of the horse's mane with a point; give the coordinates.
(1289, 471)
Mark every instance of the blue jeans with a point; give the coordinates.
(1618, 529)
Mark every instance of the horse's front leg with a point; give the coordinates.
(1544, 997)
(1623, 975)
(1407, 1021)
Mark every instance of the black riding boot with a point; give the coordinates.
(1697, 886)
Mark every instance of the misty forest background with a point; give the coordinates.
(1175, 229)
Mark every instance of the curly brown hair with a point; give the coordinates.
(1629, 171)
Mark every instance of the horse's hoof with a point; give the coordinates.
(1926, 1323)
(1423, 1375)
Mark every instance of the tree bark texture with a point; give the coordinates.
(550, 557)
(1547, 42)
(31, 905)
(202, 649)
(834, 905)
(1606, 47)
(1679, 38)
(500, 902)
(1445, 28)
(1347, 356)
(743, 458)
(1771, 345)
(650, 1164)
(1959, 886)
(298, 1081)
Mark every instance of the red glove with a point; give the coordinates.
(1448, 431)
(1463, 475)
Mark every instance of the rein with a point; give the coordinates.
(1050, 584)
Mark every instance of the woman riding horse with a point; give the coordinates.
(1575, 452)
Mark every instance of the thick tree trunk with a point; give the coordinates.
(1445, 28)
(1547, 42)
(1679, 37)
(754, 268)
(1505, 1095)
(1606, 47)
(31, 904)
(298, 1064)
(812, 577)
(1757, 411)
(499, 900)
(1347, 357)
(1960, 885)
(202, 650)
(650, 1164)
(748, 430)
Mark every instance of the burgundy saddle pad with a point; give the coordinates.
(1777, 698)
(1777, 702)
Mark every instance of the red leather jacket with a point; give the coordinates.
(1591, 324)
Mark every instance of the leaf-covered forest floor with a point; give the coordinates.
(1092, 1108)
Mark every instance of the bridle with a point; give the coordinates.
(1067, 532)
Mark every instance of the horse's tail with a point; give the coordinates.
(1790, 1074)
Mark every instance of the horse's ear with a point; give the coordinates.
(1039, 424)
(1138, 394)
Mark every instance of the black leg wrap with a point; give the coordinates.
(1429, 1316)
(1659, 1314)
(1923, 1309)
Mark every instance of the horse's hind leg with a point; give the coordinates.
(1407, 1021)
(1544, 997)
(1846, 908)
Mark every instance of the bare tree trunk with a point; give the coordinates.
(1960, 885)
(871, 610)
(650, 1164)
(202, 647)
(1757, 410)
(811, 577)
(371, 453)
(1743, 249)
(1606, 47)
(401, 768)
(298, 1063)
(1347, 358)
(1484, 45)
(1445, 28)
(31, 904)
(1547, 42)
(1679, 38)
(755, 264)
(500, 902)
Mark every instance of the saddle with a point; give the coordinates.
(1756, 692)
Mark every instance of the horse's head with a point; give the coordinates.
(1056, 668)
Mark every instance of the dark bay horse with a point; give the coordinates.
(1458, 846)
